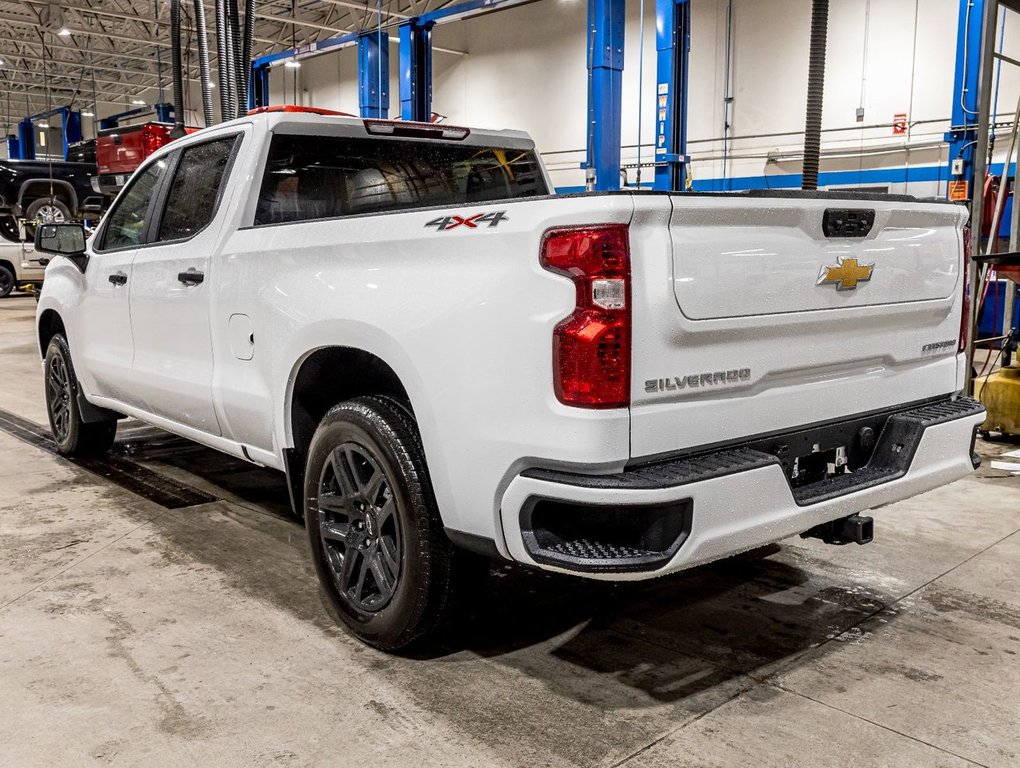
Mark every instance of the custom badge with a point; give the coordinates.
(845, 275)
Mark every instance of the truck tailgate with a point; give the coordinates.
(778, 312)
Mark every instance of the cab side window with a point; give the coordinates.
(126, 222)
(195, 189)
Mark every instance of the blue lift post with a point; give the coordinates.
(70, 129)
(258, 86)
(374, 74)
(605, 92)
(963, 134)
(13, 147)
(416, 70)
(673, 47)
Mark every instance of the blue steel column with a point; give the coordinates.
(71, 120)
(13, 147)
(673, 45)
(26, 138)
(962, 136)
(605, 68)
(374, 74)
(416, 70)
(258, 86)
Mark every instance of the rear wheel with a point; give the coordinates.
(377, 541)
(48, 210)
(6, 281)
(73, 436)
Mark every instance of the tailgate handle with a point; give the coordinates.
(848, 222)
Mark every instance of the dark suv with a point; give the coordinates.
(47, 191)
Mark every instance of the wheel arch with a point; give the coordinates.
(61, 189)
(50, 323)
(329, 375)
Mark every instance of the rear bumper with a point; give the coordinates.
(661, 518)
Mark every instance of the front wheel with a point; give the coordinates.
(73, 436)
(377, 541)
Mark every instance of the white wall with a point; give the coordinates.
(525, 68)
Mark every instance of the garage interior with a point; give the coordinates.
(158, 606)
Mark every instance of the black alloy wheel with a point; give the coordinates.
(72, 434)
(58, 397)
(359, 527)
(388, 571)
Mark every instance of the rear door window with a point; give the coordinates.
(317, 177)
(195, 189)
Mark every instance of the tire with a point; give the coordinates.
(368, 497)
(7, 281)
(48, 210)
(9, 228)
(73, 436)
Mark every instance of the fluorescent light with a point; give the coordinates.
(212, 84)
(44, 125)
(139, 102)
(86, 113)
(292, 64)
(1, 62)
(64, 32)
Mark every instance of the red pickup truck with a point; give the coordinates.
(119, 151)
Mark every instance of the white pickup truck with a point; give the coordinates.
(444, 357)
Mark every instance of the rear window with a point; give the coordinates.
(318, 177)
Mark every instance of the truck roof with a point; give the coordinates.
(311, 121)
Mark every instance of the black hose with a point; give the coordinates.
(175, 66)
(815, 91)
(203, 61)
(221, 59)
(249, 38)
(234, 57)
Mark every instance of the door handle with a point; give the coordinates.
(191, 277)
(118, 278)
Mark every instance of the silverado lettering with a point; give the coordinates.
(717, 378)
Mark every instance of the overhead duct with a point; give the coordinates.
(175, 67)
(815, 91)
(233, 56)
(203, 61)
(222, 70)
(249, 38)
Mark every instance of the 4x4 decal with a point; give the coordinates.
(446, 223)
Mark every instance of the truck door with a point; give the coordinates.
(171, 293)
(102, 343)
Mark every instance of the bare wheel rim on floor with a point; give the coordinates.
(359, 528)
(58, 396)
(50, 214)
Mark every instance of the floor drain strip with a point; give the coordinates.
(142, 481)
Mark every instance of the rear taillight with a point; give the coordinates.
(591, 348)
(153, 137)
(965, 319)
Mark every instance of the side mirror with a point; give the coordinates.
(61, 239)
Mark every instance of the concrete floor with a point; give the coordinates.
(134, 634)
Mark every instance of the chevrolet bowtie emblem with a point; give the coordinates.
(846, 274)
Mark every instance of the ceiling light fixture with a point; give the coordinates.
(86, 113)
(139, 102)
(64, 32)
(292, 64)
